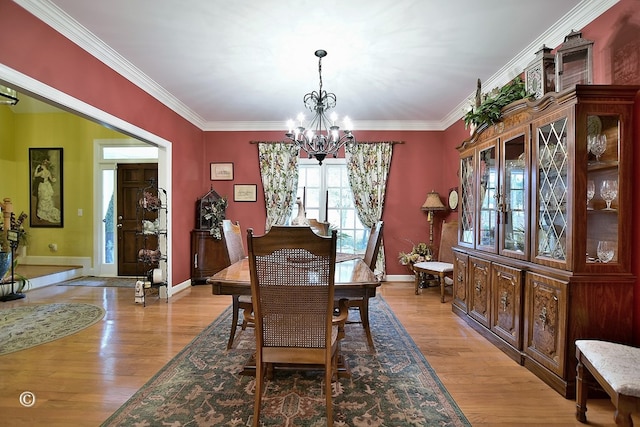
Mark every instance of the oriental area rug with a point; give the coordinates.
(31, 325)
(392, 385)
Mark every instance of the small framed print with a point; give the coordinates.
(221, 171)
(245, 193)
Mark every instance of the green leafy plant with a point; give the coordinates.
(490, 109)
(215, 213)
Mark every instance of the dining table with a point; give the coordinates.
(353, 280)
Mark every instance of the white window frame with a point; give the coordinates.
(315, 188)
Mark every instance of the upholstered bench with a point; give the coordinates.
(616, 367)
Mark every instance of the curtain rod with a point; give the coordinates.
(359, 142)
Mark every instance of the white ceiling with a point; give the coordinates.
(246, 64)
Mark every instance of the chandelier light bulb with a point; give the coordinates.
(321, 137)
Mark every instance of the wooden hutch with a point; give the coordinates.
(532, 269)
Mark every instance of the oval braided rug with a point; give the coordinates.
(32, 325)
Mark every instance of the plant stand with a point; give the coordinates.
(12, 296)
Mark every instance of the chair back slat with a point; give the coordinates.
(373, 245)
(232, 236)
(448, 239)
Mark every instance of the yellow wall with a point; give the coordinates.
(75, 136)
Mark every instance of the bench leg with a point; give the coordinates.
(623, 420)
(581, 391)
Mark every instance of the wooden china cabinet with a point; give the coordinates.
(544, 242)
(208, 253)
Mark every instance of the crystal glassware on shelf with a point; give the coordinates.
(597, 144)
(606, 250)
(591, 191)
(608, 192)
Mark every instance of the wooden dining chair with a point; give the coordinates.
(370, 258)
(292, 285)
(442, 266)
(232, 236)
(319, 227)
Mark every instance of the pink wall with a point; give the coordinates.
(427, 160)
(415, 170)
(35, 49)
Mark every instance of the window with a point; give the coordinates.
(327, 196)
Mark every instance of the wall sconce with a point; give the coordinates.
(431, 205)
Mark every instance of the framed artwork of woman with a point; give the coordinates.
(46, 187)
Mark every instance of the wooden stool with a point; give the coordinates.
(615, 367)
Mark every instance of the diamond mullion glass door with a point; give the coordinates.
(488, 198)
(552, 193)
(467, 201)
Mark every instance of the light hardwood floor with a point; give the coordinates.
(82, 379)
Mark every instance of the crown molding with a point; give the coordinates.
(414, 125)
(577, 18)
(581, 15)
(60, 21)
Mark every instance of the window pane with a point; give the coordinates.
(329, 185)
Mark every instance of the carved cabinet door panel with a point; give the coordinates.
(506, 309)
(546, 321)
(479, 290)
(460, 287)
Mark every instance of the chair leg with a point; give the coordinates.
(442, 287)
(328, 375)
(258, 394)
(234, 320)
(582, 388)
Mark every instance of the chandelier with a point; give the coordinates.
(322, 135)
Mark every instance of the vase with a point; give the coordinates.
(5, 263)
(301, 219)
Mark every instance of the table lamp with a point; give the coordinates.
(431, 205)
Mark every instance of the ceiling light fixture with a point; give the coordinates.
(322, 136)
(8, 96)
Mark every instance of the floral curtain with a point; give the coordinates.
(279, 171)
(368, 168)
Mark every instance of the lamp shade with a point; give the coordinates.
(433, 202)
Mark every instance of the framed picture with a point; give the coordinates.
(45, 174)
(221, 171)
(245, 193)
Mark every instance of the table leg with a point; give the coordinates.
(234, 320)
(364, 314)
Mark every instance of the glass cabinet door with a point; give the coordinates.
(603, 140)
(513, 198)
(552, 193)
(488, 198)
(467, 201)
